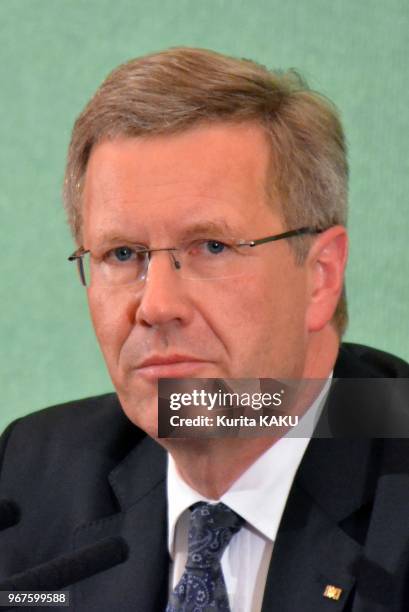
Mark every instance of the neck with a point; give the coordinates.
(211, 466)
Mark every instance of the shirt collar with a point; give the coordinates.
(260, 494)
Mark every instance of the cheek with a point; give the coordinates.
(110, 314)
(239, 313)
(263, 320)
(258, 300)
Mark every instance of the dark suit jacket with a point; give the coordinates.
(81, 472)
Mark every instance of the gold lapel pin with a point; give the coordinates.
(332, 592)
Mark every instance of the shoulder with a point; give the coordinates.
(369, 397)
(55, 467)
(94, 422)
(360, 361)
(84, 438)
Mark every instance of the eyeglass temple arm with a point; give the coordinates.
(289, 234)
(78, 254)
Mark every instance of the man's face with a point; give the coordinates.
(154, 191)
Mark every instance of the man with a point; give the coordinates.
(179, 159)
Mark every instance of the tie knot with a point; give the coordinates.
(212, 526)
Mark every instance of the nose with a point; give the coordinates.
(164, 296)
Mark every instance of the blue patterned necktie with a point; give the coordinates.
(202, 587)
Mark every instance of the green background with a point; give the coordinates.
(54, 53)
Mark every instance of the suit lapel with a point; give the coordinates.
(331, 513)
(385, 573)
(320, 532)
(141, 582)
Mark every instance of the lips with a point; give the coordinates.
(170, 366)
(159, 360)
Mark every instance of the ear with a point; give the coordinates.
(326, 263)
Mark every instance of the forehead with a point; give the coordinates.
(215, 170)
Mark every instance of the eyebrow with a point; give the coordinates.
(107, 239)
(208, 229)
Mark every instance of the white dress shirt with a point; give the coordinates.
(259, 496)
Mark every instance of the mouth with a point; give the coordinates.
(172, 366)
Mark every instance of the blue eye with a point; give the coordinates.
(123, 253)
(215, 247)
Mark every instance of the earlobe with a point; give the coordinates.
(326, 262)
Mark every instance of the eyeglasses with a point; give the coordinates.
(204, 259)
